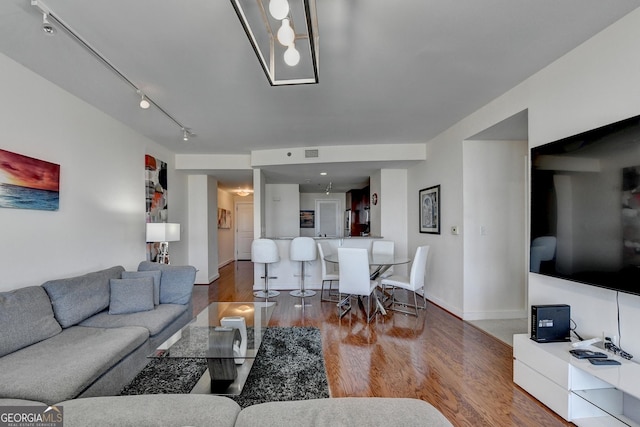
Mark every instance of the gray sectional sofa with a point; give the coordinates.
(89, 335)
(75, 343)
(174, 410)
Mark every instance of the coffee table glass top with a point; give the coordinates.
(193, 340)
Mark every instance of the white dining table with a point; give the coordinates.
(381, 263)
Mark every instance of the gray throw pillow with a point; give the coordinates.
(176, 284)
(156, 281)
(131, 295)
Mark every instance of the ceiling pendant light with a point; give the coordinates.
(286, 21)
(291, 56)
(286, 35)
(185, 135)
(279, 9)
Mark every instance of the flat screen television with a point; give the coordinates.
(585, 207)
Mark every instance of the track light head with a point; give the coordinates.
(187, 134)
(46, 25)
(144, 102)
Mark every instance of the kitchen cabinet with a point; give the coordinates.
(357, 215)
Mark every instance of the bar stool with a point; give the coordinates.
(265, 251)
(302, 249)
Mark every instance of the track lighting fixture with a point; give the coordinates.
(49, 15)
(328, 190)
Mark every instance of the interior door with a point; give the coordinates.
(244, 230)
(328, 218)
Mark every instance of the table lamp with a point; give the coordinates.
(163, 232)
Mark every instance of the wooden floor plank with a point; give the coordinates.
(437, 357)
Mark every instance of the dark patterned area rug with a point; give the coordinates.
(289, 366)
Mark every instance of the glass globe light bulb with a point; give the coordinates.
(291, 56)
(285, 35)
(279, 9)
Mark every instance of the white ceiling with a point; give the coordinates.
(390, 71)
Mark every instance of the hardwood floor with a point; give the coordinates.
(459, 369)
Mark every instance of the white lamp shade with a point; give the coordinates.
(163, 232)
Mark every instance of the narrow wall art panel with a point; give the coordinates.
(28, 183)
(157, 208)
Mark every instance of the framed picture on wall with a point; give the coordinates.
(28, 183)
(307, 219)
(429, 205)
(224, 218)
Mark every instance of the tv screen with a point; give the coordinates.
(585, 207)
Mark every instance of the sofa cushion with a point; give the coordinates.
(151, 410)
(176, 282)
(156, 281)
(62, 366)
(76, 298)
(131, 295)
(369, 411)
(26, 318)
(153, 320)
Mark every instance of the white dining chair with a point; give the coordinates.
(354, 280)
(411, 283)
(383, 247)
(329, 271)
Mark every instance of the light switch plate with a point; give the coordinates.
(454, 230)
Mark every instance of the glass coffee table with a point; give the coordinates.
(217, 335)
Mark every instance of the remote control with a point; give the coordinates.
(583, 353)
(604, 362)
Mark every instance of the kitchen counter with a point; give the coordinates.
(287, 272)
(326, 238)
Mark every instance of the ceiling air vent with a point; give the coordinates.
(310, 153)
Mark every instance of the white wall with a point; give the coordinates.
(444, 281)
(282, 210)
(375, 224)
(101, 220)
(393, 209)
(495, 237)
(595, 84)
(203, 235)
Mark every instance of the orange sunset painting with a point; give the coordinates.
(28, 183)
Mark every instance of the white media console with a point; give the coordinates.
(578, 391)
